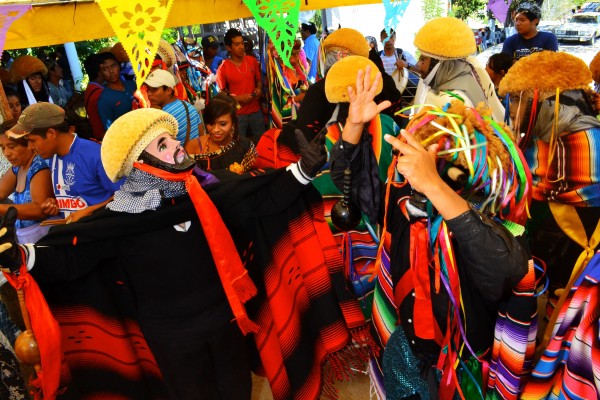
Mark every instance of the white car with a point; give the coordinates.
(581, 27)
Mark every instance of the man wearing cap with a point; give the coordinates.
(210, 47)
(80, 183)
(161, 93)
(311, 48)
(528, 39)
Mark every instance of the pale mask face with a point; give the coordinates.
(167, 149)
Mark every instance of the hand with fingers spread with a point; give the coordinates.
(314, 154)
(362, 106)
(10, 253)
(418, 166)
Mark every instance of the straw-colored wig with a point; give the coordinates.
(546, 71)
(348, 38)
(23, 66)
(343, 74)
(129, 135)
(119, 52)
(446, 38)
(595, 68)
(166, 53)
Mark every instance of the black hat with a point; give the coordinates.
(210, 41)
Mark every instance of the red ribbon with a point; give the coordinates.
(419, 262)
(44, 327)
(238, 286)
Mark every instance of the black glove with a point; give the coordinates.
(314, 154)
(10, 253)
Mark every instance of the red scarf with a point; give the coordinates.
(238, 286)
(46, 332)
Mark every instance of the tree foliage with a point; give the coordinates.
(463, 9)
(432, 9)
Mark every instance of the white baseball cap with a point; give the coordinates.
(160, 77)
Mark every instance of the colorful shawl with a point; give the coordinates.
(568, 366)
(566, 170)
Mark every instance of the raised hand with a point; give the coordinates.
(10, 254)
(362, 106)
(314, 154)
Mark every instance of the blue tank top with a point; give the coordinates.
(24, 197)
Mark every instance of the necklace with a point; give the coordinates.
(238, 68)
(222, 147)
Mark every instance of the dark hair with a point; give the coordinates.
(500, 62)
(392, 32)
(7, 126)
(63, 127)
(10, 92)
(310, 27)
(92, 66)
(220, 105)
(530, 10)
(230, 35)
(107, 55)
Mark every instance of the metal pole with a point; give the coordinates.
(74, 64)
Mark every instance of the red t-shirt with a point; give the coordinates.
(240, 80)
(91, 96)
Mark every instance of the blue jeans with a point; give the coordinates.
(254, 121)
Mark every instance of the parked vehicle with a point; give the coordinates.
(582, 27)
(590, 7)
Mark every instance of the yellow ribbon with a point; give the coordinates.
(568, 220)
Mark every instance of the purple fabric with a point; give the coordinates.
(205, 178)
(499, 8)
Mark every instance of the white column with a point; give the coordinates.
(74, 64)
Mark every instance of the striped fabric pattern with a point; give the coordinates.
(299, 330)
(514, 340)
(569, 367)
(385, 315)
(177, 109)
(573, 176)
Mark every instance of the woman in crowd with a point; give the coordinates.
(29, 182)
(223, 147)
(30, 74)
(14, 103)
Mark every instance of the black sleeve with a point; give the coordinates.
(314, 112)
(368, 188)
(69, 262)
(489, 254)
(258, 195)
